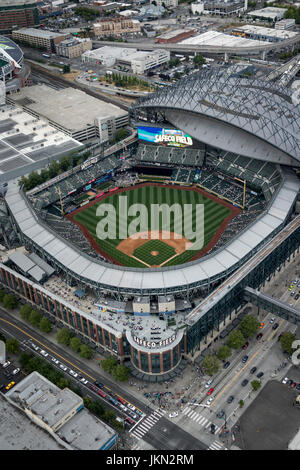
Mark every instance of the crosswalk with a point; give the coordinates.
(216, 446)
(199, 419)
(146, 424)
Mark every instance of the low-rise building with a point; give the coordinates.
(46, 40)
(139, 61)
(73, 112)
(268, 13)
(61, 413)
(285, 24)
(73, 47)
(116, 27)
(166, 3)
(219, 7)
(261, 33)
(175, 36)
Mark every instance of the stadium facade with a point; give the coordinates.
(244, 129)
(13, 71)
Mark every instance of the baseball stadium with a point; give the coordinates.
(218, 139)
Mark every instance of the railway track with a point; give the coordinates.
(57, 82)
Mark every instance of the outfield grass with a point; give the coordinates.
(214, 215)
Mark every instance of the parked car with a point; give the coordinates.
(6, 364)
(230, 399)
(84, 381)
(284, 381)
(173, 415)
(259, 375)
(244, 383)
(293, 385)
(63, 367)
(74, 374)
(272, 320)
(245, 359)
(16, 371)
(129, 420)
(226, 365)
(297, 387)
(209, 401)
(254, 369)
(289, 382)
(259, 336)
(275, 326)
(210, 391)
(246, 345)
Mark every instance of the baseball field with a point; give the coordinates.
(163, 246)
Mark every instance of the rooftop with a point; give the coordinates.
(70, 108)
(41, 33)
(175, 32)
(271, 32)
(25, 140)
(44, 399)
(215, 38)
(86, 432)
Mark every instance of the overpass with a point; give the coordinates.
(287, 71)
(275, 306)
(206, 49)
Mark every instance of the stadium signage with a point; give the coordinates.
(154, 344)
(159, 135)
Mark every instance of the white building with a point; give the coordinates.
(268, 13)
(139, 61)
(167, 3)
(285, 24)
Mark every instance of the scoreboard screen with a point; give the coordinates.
(161, 136)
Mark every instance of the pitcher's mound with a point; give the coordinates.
(154, 253)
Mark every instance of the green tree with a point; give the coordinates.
(108, 364)
(25, 312)
(85, 352)
(235, 339)
(12, 345)
(35, 318)
(255, 385)
(286, 342)
(211, 364)
(249, 326)
(75, 344)
(45, 325)
(2, 294)
(241, 403)
(10, 301)
(120, 373)
(66, 69)
(223, 352)
(64, 337)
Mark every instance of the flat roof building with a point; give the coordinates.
(116, 27)
(139, 61)
(73, 47)
(27, 143)
(46, 40)
(263, 34)
(73, 112)
(61, 413)
(175, 35)
(268, 13)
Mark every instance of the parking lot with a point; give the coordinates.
(271, 420)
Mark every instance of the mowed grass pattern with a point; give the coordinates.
(144, 252)
(214, 215)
